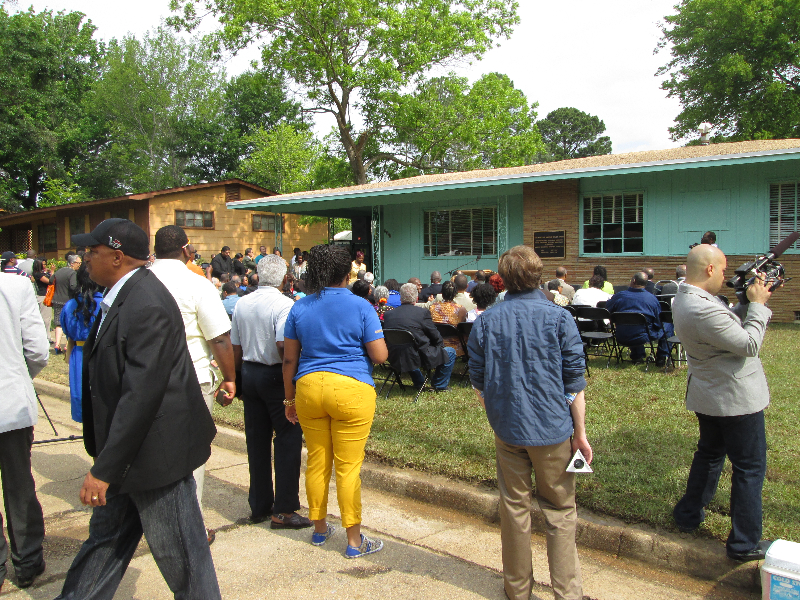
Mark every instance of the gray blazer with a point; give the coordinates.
(24, 348)
(726, 377)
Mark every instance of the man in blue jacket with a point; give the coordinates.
(636, 299)
(526, 363)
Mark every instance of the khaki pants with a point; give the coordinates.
(47, 316)
(555, 493)
(208, 390)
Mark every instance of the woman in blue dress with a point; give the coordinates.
(77, 318)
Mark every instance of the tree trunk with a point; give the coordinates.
(34, 188)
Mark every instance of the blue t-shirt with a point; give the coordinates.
(333, 329)
(394, 299)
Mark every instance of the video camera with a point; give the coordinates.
(763, 266)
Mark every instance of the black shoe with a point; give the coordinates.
(757, 553)
(256, 519)
(685, 529)
(25, 581)
(661, 362)
(440, 390)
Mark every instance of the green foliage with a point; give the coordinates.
(339, 224)
(736, 65)
(571, 133)
(356, 55)
(282, 159)
(448, 125)
(49, 64)
(158, 94)
(59, 191)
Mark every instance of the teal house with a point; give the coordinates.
(624, 211)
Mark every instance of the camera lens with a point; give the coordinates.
(578, 464)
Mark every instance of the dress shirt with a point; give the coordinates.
(589, 297)
(204, 316)
(258, 322)
(111, 295)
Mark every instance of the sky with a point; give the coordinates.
(595, 56)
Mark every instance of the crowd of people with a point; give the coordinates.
(302, 366)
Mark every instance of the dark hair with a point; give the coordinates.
(448, 291)
(230, 288)
(253, 279)
(238, 255)
(600, 270)
(484, 294)
(169, 240)
(392, 285)
(596, 281)
(361, 288)
(709, 237)
(224, 248)
(224, 277)
(480, 276)
(553, 285)
(461, 282)
(328, 265)
(248, 250)
(84, 296)
(37, 266)
(521, 269)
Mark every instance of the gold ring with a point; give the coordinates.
(94, 497)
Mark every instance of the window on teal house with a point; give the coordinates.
(460, 232)
(613, 223)
(783, 205)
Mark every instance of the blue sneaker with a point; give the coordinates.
(368, 546)
(320, 538)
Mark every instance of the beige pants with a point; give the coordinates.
(555, 493)
(47, 316)
(208, 390)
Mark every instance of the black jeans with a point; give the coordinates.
(23, 511)
(743, 440)
(264, 412)
(172, 524)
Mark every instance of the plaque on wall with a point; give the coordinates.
(550, 244)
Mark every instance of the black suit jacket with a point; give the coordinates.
(429, 350)
(144, 417)
(430, 290)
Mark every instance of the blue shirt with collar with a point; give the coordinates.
(641, 301)
(525, 354)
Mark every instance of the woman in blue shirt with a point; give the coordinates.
(331, 339)
(77, 318)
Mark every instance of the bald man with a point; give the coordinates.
(728, 392)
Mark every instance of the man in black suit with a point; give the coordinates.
(429, 351)
(430, 291)
(145, 424)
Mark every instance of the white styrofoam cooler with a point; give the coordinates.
(780, 572)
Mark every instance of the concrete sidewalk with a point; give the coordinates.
(433, 549)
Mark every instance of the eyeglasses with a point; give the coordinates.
(189, 243)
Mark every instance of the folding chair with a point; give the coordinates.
(594, 332)
(571, 310)
(674, 342)
(632, 319)
(398, 339)
(451, 331)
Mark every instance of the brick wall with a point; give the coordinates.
(554, 205)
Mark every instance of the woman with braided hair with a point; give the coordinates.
(77, 318)
(331, 339)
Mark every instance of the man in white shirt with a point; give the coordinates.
(205, 320)
(257, 336)
(24, 346)
(592, 295)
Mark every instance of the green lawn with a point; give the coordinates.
(643, 440)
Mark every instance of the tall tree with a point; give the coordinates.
(571, 133)
(157, 93)
(448, 125)
(736, 65)
(354, 56)
(49, 64)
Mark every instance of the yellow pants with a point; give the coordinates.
(336, 415)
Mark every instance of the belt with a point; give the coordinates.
(79, 343)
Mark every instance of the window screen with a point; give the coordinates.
(783, 200)
(613, 223)
(459, 232)
(48, 241)
(265, 222)
(197, 219)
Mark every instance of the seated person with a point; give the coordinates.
(429, 351)
(393, 286)
(636, 299)
(555, 287)
(606, 287)
(484, 296)
(590, 296)
(381, 305)
(671, 288)
(361, 288)
(448, 311)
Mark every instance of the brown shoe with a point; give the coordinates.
(293, 521)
